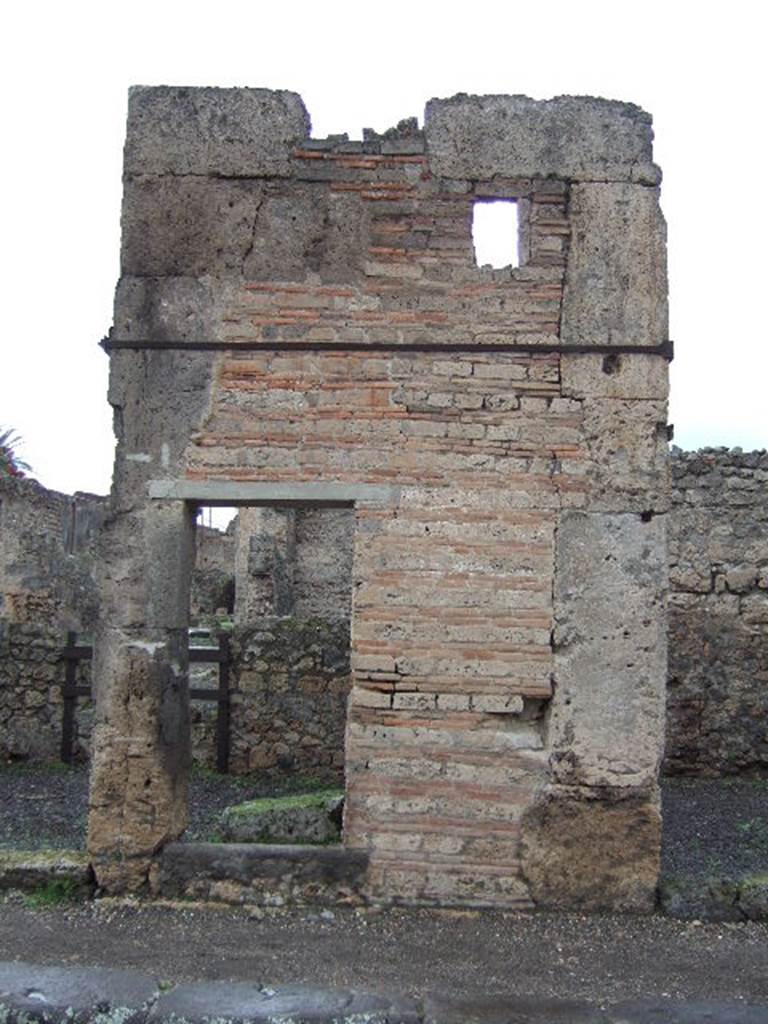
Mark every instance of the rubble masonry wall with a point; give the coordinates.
(717, 693)
(47, 588)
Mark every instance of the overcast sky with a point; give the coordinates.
(66, 69)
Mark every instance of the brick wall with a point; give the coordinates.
(309, 312)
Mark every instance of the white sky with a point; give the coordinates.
(66, 68)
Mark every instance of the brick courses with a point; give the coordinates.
(320, 319)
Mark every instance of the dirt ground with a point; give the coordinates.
(406, 951)
(709, 826)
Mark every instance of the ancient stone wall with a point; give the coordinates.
(302, 323)
(213, 580)
(717, 698)
(290, 678)
(47, 588)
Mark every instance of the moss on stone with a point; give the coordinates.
(43, 859)
(281, 803)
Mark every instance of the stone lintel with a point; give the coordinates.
(284, 495)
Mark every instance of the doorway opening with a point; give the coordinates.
(273, 590)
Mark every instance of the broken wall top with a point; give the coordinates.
(253, 132)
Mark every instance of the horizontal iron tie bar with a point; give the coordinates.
(665, 349)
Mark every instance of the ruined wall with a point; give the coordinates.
(47, 587)
(305, 318)
(290, 677)
(717, 699)
(213, 580)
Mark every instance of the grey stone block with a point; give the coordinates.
(667, 1011)
(572, 137)
(610, 649)
(217, 132)
(243, 863)
(616, 276)
(58, 994)
(315, 818)
(505, 1009)
(290, 1004)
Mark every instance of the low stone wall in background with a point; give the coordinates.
(290, 680)
(717, 695)
(48, 557)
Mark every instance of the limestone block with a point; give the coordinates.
(628, 462)
(621, 375)
(187, 226)
(223, 132)
(139, 770)
(308, 230)
(172, 308)
(568, 137)
(616, 275)
(607, 714)
(306, 818)
(590, 852)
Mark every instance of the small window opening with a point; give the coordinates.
(495, 233)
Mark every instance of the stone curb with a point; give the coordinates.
(58, 995)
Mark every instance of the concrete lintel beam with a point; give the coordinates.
(290, 495)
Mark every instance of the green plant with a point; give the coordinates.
(52, 893)
(10, 463)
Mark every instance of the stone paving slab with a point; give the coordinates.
(197, 1003)
(57, 995)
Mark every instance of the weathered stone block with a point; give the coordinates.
(615, 281)
(305, 818)
(593, 850)
(607, 716)
(216, 132)
(513, 136)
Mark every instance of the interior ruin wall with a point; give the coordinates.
(304, 318)
(717, 691)
(47, 588)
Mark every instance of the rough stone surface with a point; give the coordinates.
(617, 267)
(290, 684)
(32, 869)
(607, 715)
(717, 697)
(29, 992)
(58, 994)
(261, 874)
(286, 1003)
(597, 849)
(361, 346)
(568, 137)
(311, 818)
(225, 133)
(48, 588)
